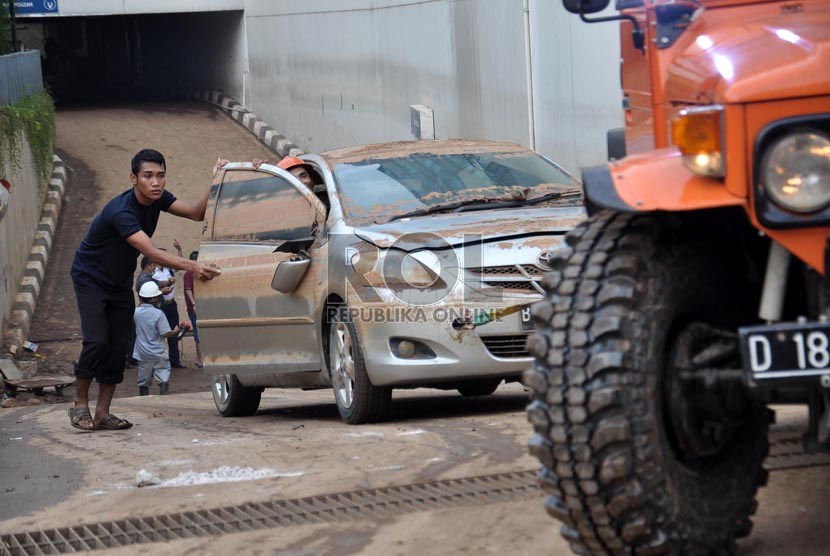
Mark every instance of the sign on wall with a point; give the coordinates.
(23, 7)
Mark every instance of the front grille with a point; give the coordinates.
(508, 347)
(507, 277)
(507, 270)
(511, 285)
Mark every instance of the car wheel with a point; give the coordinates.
(232, 399)
(639, 455)
(358, 400)
(483, 387)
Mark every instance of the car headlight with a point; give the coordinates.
(796, 171)
(698, 133)
(421, 268)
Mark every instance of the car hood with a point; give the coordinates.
(441, 230)
(780, 55)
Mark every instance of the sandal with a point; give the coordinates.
(112, 423)
(78, 415)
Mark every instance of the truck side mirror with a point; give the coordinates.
(585, 6)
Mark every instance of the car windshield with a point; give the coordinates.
(377, 190)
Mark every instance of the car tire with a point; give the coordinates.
(623, 472)
(232, 399)
(358, 400)
(483, 387)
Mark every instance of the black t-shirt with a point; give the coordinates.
(104, 257)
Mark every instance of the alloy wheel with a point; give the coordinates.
(222, 388)
(342, 364)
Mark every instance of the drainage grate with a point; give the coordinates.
(787, 452)
(380, 503)
(372, 504)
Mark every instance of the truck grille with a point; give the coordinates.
(507, 347)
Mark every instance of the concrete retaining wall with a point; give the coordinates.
(26, 229)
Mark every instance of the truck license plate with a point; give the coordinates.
(786, 350)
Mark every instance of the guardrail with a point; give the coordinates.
(20, 76)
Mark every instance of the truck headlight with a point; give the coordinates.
(795, 171)
(698, 133)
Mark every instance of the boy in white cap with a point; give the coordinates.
(151, 330)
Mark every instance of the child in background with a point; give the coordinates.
(151, 330)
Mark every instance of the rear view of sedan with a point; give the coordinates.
(406, 264)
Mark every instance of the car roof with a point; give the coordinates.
(398, 149)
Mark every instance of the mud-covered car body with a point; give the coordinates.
(429, 251)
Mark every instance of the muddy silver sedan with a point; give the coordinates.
(405, 264)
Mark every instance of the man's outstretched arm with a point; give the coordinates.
(195, 211)
(144, 244)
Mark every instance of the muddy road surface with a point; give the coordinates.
(446, 475)
(294, 480)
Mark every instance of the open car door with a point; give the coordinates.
(255, 318)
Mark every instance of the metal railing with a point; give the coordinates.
(20, 76)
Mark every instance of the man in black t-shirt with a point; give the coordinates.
(102, 273)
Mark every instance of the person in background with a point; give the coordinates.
(151, 329)
(190, 301)
(166, 279)
(148, 267)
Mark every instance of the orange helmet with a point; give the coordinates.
(290, 162)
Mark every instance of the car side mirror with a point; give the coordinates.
(585, 6)
(290, 273)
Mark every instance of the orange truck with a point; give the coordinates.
(696, 294)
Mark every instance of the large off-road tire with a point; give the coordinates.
(358, 400)
(636, 460)
(232, 399)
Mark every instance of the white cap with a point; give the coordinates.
(148, 290)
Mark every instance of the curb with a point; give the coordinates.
(259, 128)
(27, 294)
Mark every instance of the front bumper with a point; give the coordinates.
(493, 350)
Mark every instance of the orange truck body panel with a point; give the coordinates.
(762, 61)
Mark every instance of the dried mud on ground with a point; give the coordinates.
(97, 144)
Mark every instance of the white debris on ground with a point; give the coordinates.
(364, 434)
(224, 474)
(412, 432)
(145, 479)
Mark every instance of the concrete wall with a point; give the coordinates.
(19, 223)
(576, 82)
(331, 73)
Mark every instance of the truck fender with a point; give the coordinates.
(653, 181)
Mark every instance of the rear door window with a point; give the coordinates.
(263, 207)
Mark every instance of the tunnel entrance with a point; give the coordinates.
(138, 56)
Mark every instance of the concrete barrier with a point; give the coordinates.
(23, 275)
